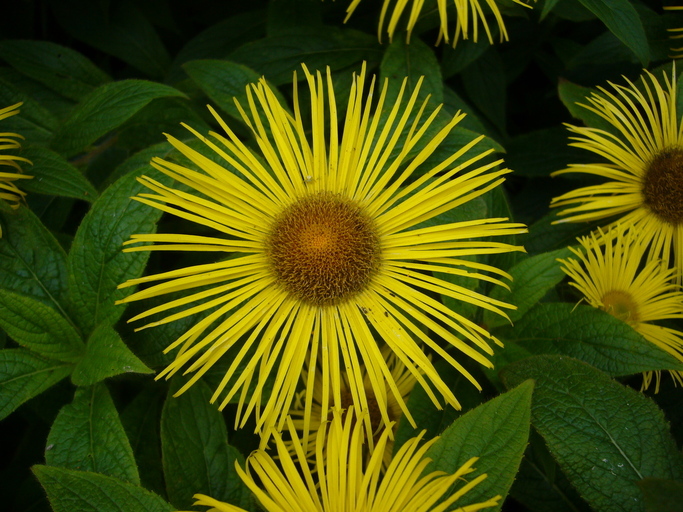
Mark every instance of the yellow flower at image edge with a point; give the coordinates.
(466, 12)
(644, 166)
(8, 141)
(345, 483)
(328, 251)
(611, 278)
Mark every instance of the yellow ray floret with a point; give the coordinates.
(614, 279)
(643, 164)
(340, 480)
(328, 261)
(10, 141)
(469, 14)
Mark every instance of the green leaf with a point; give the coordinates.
(32, 262)
(60, 68)
(54, 176)
(70, 490)
(87, 435)
(24, 375)
(540, 484)
(38, 327)
(34, 121)
(591, 335)
(485, 83)
(217, 41)
(290, 16)
(141, 419)
(425, 413)
(623, 21)
(574, 97)
(532, 278)
(106, 355)
(105, 109)
(661, 495)
(195, 451)
(410, 62)
(277, 57)
(118, 29)
(606, 437)
(96, 262)
(223, 81)
(497, 433)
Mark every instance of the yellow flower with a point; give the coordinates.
(644, 166)
(405, 382)
(675, 33)
(344, 483)
(614, 280)
(468, 15)
(8, 189)
(327, 251)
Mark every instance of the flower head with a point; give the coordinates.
(644, 166)
(345, 483)
(468, 15)
(405, 382)
(8, 189)
(613, 279)
(328, 252)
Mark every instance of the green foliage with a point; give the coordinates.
(70, 490)
(605, 437)
(195, 451)
(87, 435)
(590, 335)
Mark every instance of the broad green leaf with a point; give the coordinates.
(60, 68)
(96, 262)
(545, 236)
(277, 57)
(591, 335)
(34, 121)
(118, 29)
(54, 176)
(426, 414)
(70, 490)
(532, 278)
(409, 62)
(139, 160)
(485, 84)
(105, 109)
(453, 103)
(87, 435)
(540, 484)
(223, 81)
(32, 262)
(542, 152)
(106, 355)
(195, 451)
(606, 437)
(38, 327)
(454, 60)
(140, 419)
(24, 375)
(623, 21)
(547, 7)
(217, 41)
(497, 433)
(660, 495)
(290, 16)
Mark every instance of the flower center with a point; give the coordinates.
(621, 305)
(324, 249)
(663, 186)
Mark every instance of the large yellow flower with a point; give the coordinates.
(644, 166)
(613, 279)
(468, 15)
(328, 251)
(8, 189)
(343, 483)
(308, 430)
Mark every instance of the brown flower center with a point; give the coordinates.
(324, 249)
(621, 305)
(663, 186)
